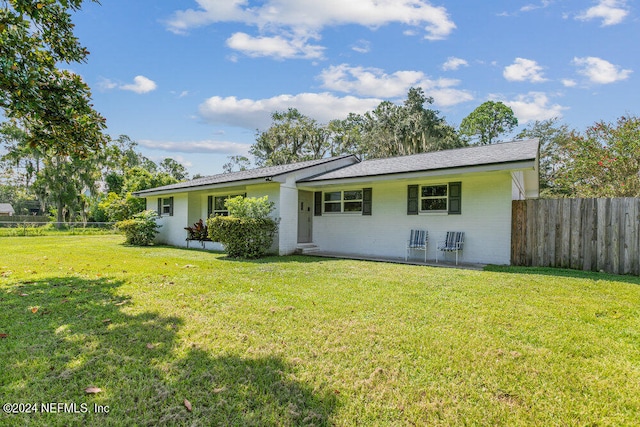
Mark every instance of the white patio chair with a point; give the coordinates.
(453, 243)
(417, 241)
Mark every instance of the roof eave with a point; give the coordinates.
(525, 164)
(160, 192)
(277, 177)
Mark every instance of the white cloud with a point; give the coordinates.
(569, 82)
(181, 94)
(141, 84)
(369, 81)
(277, 46)
(611, 12)
(600, 71)
(534, 106)
(256, 114)
(362, 46)
(375, 82)
(299, 20)
(531, 6)
(448, 97)
(524, 70)
(312, 15)
(453, 63)
(205, 146)
(106, 84)
(527, 8)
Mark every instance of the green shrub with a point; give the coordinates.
(117, 208)
(249, 207)
(141, 229)
(248, 231)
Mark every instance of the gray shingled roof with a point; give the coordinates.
(222, 178)
(6, 207)
(506, 152)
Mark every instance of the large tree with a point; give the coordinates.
(66, 182)
(411, 128)
(291, 138)
(174, 168)
(345, 135)
(20, 166)
(241, 163)
(389, 130)
(553, 137)
(52, 103)
(604, 161)
(487, 122)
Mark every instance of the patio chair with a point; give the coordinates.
(452, 243)
(417, 241)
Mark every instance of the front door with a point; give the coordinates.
(305, 216)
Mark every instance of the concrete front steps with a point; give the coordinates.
(306, 248)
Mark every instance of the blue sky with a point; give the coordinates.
(193, 80)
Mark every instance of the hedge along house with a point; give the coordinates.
(365, 208)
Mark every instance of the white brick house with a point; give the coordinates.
(367, 208)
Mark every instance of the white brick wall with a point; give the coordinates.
(188, 208)
(485, 219)
(288, 238)
(172, 227)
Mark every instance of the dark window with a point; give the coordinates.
(343, 201)
(216, 205)
(165, 206)
(435, 198)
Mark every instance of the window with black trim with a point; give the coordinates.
(165, 206)
(346, 201)
(216, 205)
(434, 198)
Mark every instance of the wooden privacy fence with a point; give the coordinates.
(584, 234)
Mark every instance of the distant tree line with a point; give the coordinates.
(602, 161)
(92, 187)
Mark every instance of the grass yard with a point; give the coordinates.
(308, 341)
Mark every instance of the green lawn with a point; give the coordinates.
(308, 341)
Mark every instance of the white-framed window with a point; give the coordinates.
(216, 205)
(434, 198)
(343, 201)
(165, 206)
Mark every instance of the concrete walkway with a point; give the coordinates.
(411, 261)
